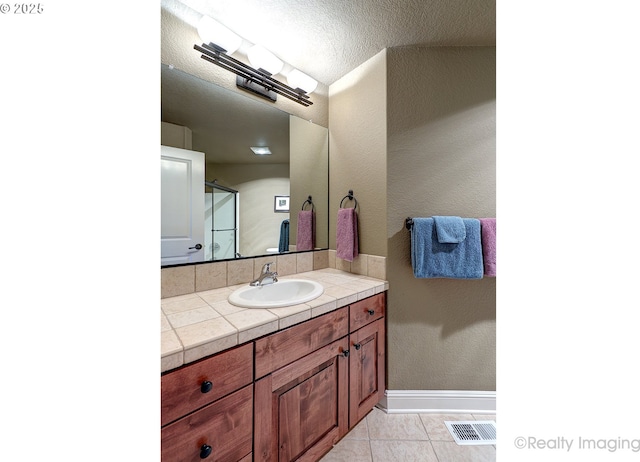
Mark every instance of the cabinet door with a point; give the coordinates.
(219, 432)
(366, 370)
(301, 410)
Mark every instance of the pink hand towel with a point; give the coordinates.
(306, 237)
(488, 236)
(347, 234)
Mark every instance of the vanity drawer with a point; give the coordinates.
(198, 384)
(284, 347)
(365, 311)
(222, 431)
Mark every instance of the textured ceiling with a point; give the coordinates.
(329, 38)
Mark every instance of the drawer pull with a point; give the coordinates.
(205, 451)
(345, 353)
(357, 346)
(371, 312)
(206, 386)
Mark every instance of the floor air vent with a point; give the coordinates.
(470, 432)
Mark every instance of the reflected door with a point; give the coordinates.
(182, 212)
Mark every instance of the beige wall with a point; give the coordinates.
(308, 167)
(357, 151)
(176, 136)
(412, 131)
(441, 161)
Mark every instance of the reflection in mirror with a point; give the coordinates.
(240, 187)
(221, 218)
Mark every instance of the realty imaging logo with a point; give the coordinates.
(562, 443)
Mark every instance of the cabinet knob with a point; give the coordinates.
(357, 346)
(345, 353)
(205, 451)
(371, 312)
(206, 386)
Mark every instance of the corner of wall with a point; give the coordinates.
(358, 151)
(372, 266)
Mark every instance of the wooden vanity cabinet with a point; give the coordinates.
(290, 395)
(207, 409)
(301, 400)
(317, 380)
(367, 356)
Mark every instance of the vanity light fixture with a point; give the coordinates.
(261, 150)
(258, 81)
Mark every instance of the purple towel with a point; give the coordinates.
(347, 234)
(306, 237)
(488, 235)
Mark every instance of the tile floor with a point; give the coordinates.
(382, 437)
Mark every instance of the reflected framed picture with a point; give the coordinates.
(281, 204)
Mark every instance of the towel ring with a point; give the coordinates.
(350, 197)
(310, 202)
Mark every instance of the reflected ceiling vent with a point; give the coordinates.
(261, 150)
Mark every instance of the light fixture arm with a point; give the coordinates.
(217, 55)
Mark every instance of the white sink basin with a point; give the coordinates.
(285, 292)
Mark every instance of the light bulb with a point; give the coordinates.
(301, 80)
(211, 30)
(261, 150)
(261, 58)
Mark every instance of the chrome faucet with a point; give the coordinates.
(266, 276)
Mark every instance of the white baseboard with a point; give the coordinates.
(438, 401)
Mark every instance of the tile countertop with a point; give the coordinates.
(203, 323)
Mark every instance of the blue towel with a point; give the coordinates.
(450, 230)
(432, 259)
(283, 245)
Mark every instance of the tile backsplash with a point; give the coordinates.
(181, 280)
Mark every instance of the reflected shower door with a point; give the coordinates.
(222, 207)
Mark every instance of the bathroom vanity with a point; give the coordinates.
(288, 395)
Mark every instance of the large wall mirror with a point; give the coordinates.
(248, 197)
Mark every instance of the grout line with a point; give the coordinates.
(369, 435)
(434, 451)
(424, 427)
(401, 440)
